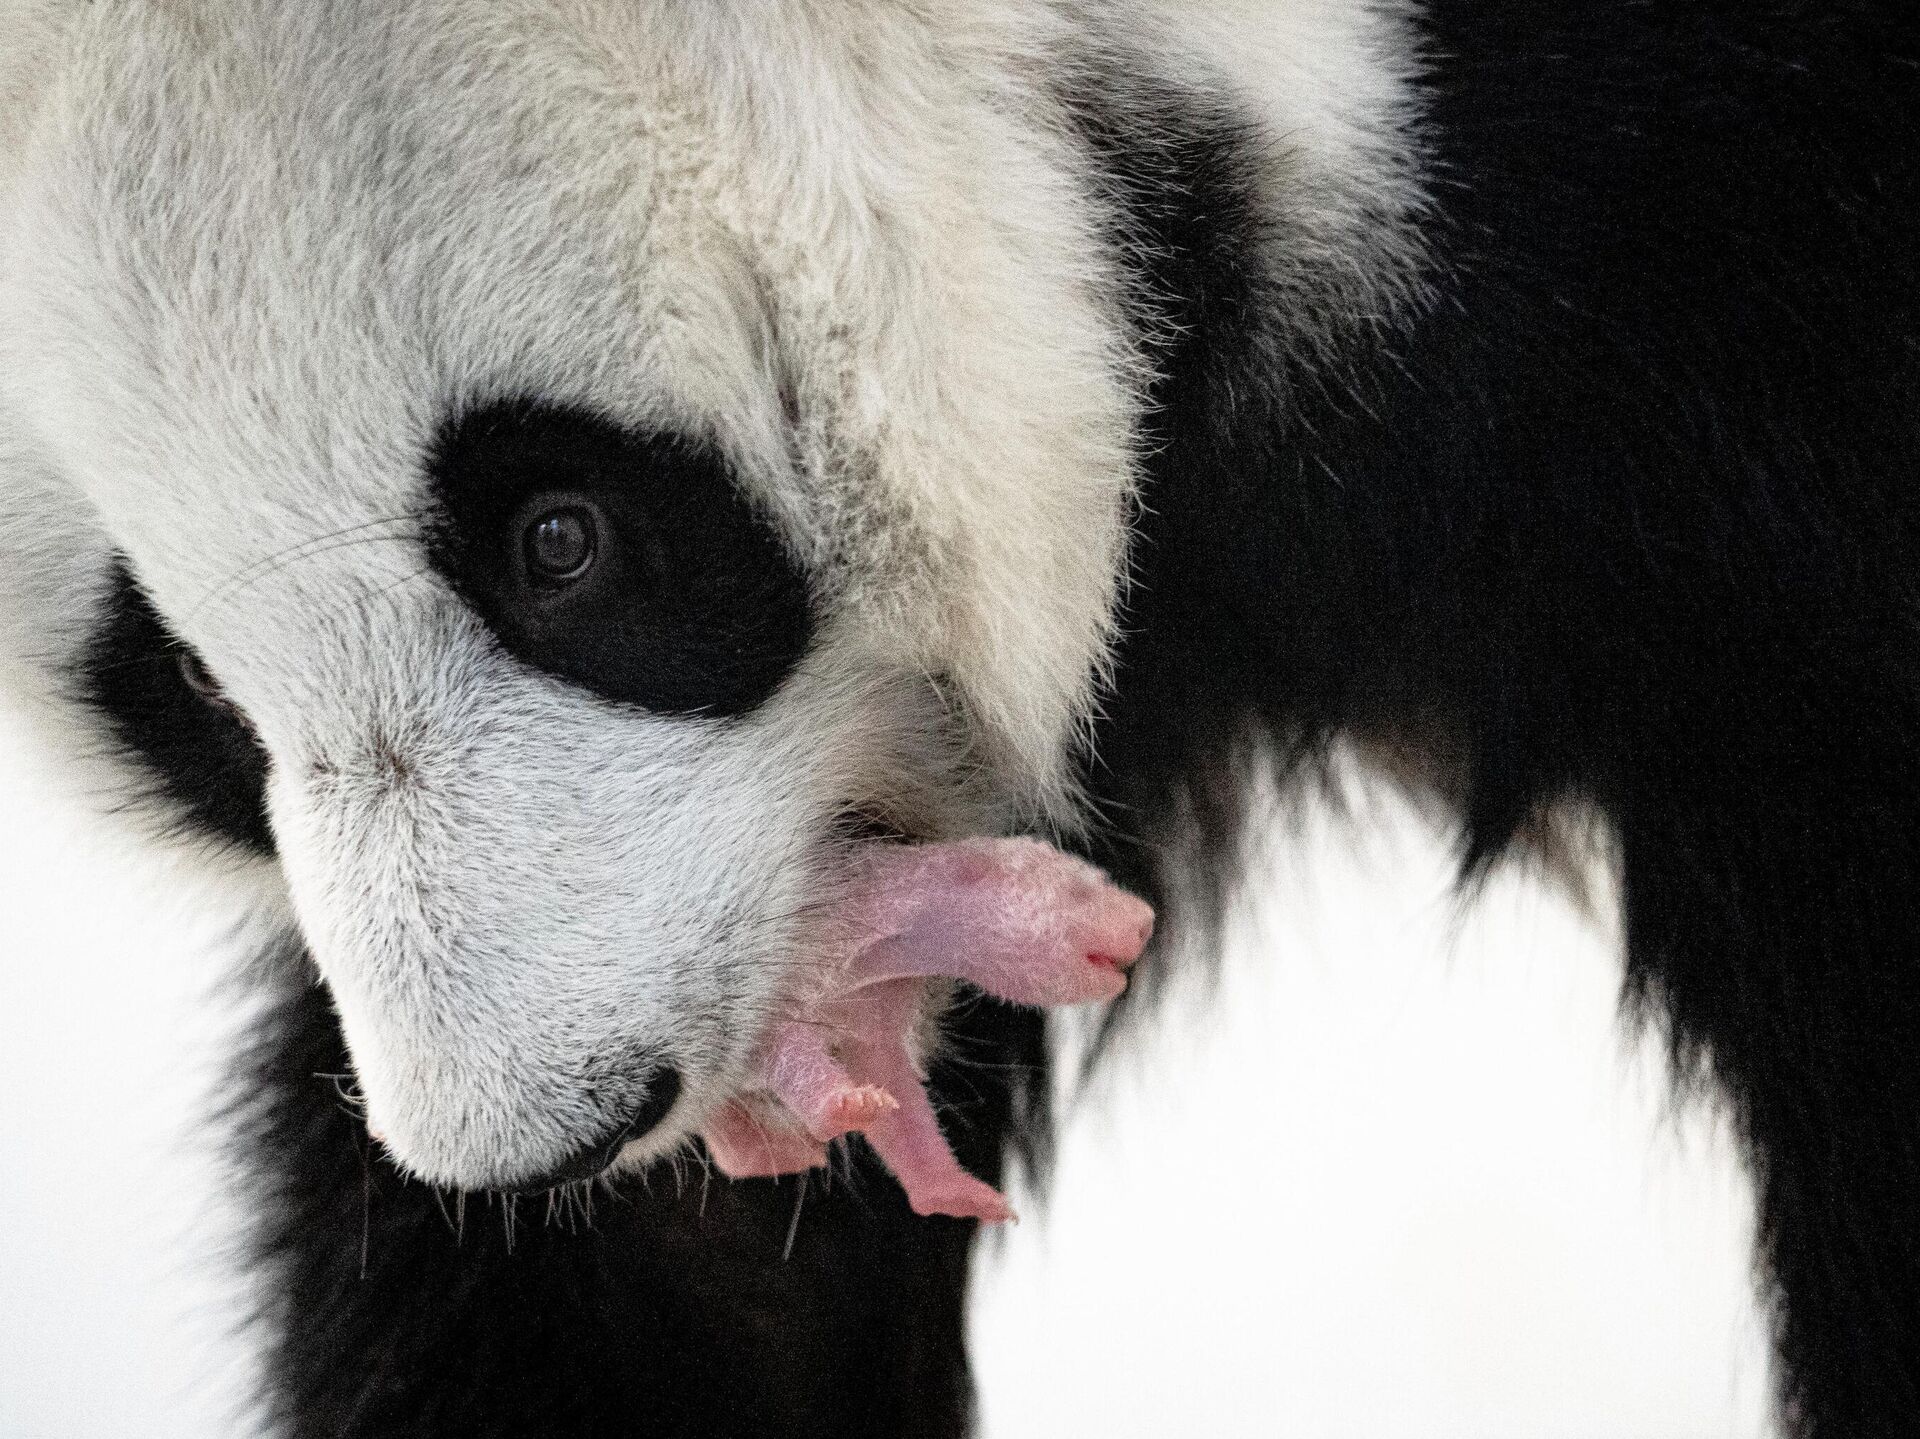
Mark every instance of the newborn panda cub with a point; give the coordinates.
(1018, 918)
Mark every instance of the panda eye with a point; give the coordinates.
(627, 562)
(560, 545)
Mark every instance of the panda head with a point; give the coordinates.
(539, 483)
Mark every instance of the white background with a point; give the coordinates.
(1400, 1173)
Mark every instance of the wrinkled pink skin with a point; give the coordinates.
(1016, 917)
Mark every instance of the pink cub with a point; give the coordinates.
(1016, 917)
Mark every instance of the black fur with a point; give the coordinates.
(690, 605)
(676, 1306)
(202, 758)
(1625, 512)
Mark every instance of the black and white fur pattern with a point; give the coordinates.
(1044, 412)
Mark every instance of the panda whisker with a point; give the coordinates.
(314, 544)
(234, 592)
(793, 1225)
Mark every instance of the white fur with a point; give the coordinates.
(253, 253)
(1331, 83)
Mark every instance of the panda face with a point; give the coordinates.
(543, 481)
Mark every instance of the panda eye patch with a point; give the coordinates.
(170, 714)
(560, 545)
(625, 561)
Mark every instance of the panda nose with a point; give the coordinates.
(663, 1089)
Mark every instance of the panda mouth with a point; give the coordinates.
(594, 1159)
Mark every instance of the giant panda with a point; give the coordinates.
(531, 494)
